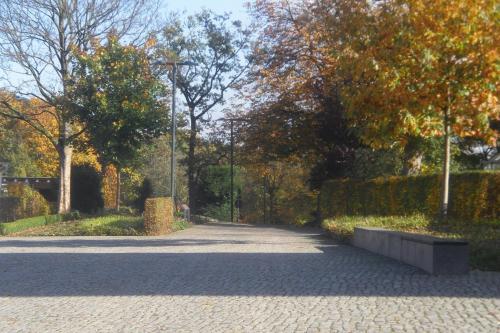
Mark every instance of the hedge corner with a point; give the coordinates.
(158, 216)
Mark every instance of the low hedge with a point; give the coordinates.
(27, 223)
(158, 216)
(473, 196)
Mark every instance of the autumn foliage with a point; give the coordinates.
(412, 61)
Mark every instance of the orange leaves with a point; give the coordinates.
(436, 55)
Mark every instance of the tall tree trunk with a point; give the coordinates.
(118, 188)
(191, 164)
(64, 195)
(446, 164)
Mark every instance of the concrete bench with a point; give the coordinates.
(438, 256)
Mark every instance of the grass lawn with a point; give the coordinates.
(22, 224)
(109, 225)
(483, 236)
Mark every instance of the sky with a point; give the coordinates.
(236, 7)
(238, 11)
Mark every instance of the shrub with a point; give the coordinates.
(72, 216)
(220, 212)
(473, 196)
(86, 193)
(8, 208)
(30, 202)
(158, 216)
(144, 191)
(299, 207)
(51, 219)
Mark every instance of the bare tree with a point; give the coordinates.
(38, 39)
(218, 47)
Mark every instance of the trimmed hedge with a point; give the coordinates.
(86, 195)
(158, 216)
(473, 196)
(8, 208)
(31, 222)
(28, 203)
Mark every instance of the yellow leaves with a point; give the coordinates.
(151, 42)
(421, 56)
(110, 180)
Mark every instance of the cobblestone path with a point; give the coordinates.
(228, 278)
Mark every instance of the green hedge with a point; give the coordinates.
(30, 202)
(8, 207)
(473, 196)
(158, 216)
(31, 222)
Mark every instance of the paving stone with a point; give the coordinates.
(230, 278)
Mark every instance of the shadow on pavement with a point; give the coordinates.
(334, 270)
(344, 271)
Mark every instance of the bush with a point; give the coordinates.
(86, 193)
(30, 202)
(145, 191)
(220, 213)
(31, 222)
(72, 216)
(158, 216)
(51, 219)
(473, 196)
(8, 208)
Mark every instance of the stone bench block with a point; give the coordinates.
(438, 256)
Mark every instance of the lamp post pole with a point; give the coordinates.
(174, 130)
(232, 171)
(232, 120)
(174, 65)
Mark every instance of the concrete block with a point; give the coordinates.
(434, 255)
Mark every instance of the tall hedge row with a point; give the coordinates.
(473, 196)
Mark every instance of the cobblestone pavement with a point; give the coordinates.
(227, 278)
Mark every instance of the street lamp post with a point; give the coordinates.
(174, 131)
(174, 65)
(231, 121)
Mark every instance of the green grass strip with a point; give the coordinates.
(31, 222)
